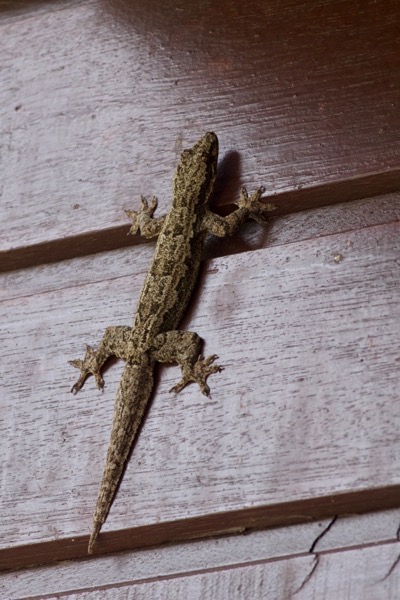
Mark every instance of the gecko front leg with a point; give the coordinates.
(249, 207)
(143, 221)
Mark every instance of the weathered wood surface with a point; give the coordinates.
(303, 422)
(330, 559)
(97, 100)
(358, 574)
(295, 227)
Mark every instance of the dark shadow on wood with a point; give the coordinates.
(228, 523)
(24, 6)
(293, 201)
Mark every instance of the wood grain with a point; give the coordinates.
(360, 574)
(303, 421)
(312, 540)
(286, 229)
(98, 99)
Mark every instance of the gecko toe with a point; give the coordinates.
(87, 366)
(198, 373)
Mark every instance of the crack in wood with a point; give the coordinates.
(396, 561)
(316, 555)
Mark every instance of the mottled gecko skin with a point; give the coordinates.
(166, 292)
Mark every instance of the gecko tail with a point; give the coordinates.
(132, 396)
(93, 536)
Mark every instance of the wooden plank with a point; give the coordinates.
(315, 118)
(359, 574)
(286, 229)
(307, 224)
(203, 556)
(13, 10)
(303, 421)
(170, 561)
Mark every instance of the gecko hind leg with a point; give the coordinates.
(114, 343)
(184, 348)
(198, 373)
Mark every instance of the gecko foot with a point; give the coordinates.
(136, 216)
(198, 372)
(87, 366)
(257, 209)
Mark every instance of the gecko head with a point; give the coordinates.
(196, 171)
(207, 145)
(205, 152)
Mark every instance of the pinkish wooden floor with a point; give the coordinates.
(97, 101)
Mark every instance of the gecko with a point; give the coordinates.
(154, 336)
